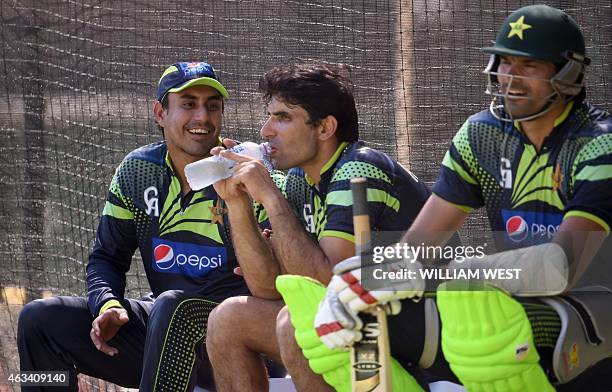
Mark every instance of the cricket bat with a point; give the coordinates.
(371, 356)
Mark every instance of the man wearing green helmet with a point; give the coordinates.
(540, 162)
(548, 46)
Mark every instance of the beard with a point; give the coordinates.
(527, 104)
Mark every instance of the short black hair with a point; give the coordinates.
(320, 89)
(164, 104)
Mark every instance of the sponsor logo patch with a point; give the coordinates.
(186, 259)
(521, 352)
(530, 228)
(517, 228)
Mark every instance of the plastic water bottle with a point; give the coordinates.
(254, 150)
(207, 171)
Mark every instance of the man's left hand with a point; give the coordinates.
(355, 285)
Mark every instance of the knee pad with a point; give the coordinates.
(302, 296)
(488, 342)
(586, 337)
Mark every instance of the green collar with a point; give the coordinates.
(562, 117)
(169, 162)
(329, 163)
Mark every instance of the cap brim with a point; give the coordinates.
(505, 52)
(202, 82)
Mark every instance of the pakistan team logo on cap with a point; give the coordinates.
(518, 27)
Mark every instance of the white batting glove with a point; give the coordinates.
(337, 322)
(339, 327)
(351, 283)
(336, 328)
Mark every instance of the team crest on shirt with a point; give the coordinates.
(557, 177)
(217, 213)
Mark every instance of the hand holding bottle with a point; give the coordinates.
(207, 171)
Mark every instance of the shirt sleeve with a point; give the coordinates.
(591, 183)
(113, 249)
(457, 181)
(338, 218)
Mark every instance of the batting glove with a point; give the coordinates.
(363, 288)
(337, 322)
(335, 325)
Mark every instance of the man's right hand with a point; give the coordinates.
(228, 191)
(231, 191)
(337, 321)
(104, 328)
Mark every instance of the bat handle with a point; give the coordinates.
(374, 347)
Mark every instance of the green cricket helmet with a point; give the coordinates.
(543, 33)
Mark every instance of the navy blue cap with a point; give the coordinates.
(180, 76)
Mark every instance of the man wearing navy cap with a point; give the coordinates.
(154, 343)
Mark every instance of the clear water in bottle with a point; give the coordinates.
(207, 171)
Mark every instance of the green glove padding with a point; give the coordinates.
(302, 296)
